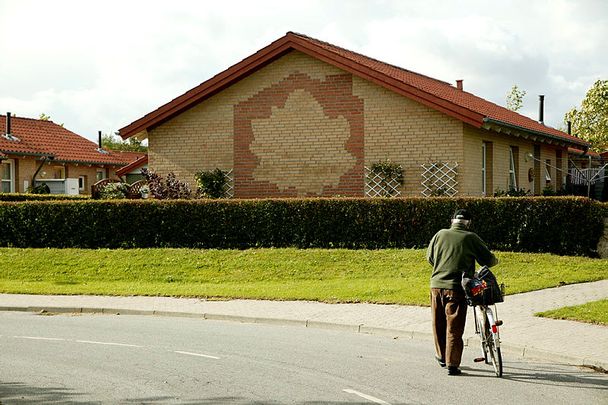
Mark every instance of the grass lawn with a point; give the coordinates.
(591, 312)
(379, 276)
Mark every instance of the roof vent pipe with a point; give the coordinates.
(569, 127)
(99, 139)
(541, 109)
(459, 84)
(8, 123)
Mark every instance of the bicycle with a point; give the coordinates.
(487, 327)
(483, 292)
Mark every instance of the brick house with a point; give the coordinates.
(39, 151)
(302, 117)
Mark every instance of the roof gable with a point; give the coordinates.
(433, 93)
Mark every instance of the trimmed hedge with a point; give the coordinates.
(41, 197)
(562, 225)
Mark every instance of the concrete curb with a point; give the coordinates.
(521, 351)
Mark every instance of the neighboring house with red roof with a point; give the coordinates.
(39, 151)
(302, 117)
(132, 172)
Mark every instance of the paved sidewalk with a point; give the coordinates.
(522, 334)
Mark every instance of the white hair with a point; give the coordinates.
(464, 222)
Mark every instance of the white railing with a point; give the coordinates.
(584, 176)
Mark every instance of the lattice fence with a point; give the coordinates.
(439, 179)
(229, 186)
(377, 185)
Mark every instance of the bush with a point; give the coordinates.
(114, 191)
(40, 189)
(562, 225)
(172, 188)
(211, 184)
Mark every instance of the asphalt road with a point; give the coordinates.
(137, 359)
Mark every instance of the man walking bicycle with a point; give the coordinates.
(453, 252)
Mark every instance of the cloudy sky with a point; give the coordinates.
(101, 65)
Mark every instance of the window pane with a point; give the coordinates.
(6, 171)
(6, 186)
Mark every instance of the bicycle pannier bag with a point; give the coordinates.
(482, 289)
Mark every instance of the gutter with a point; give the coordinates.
(584, 144)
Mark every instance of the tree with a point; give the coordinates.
(115, 143)
(515, 98)
(590, 122)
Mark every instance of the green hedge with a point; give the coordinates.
(561, 225)
(40, 197)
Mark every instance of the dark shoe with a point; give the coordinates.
(440, 361)
(452, 370)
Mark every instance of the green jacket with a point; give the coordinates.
(454, 251)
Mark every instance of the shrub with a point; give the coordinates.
(113, 191)
(562, 225)
(212, 183)
(42, 188)
(172, 188)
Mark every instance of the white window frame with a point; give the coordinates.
(484, 180)
(81, 183)
(11, 181)
(512, 173)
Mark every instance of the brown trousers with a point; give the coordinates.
(449, 310)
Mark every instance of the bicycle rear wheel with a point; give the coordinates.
(496, 357)
(489, 346)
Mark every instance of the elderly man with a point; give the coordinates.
(453, 252)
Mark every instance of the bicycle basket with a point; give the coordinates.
(482, 289)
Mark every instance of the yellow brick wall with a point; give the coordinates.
(408, 133)
(473, 139)
(201, 138)
(395, 128)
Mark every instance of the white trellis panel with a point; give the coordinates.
(229, 186)
(377, 186)
(439, 178)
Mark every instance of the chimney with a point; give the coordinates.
(459, 84)
(8, 123)
(569, 127)
(99, 139)
(541, 109)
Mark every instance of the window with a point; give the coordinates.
(101, 174)
(53, 173)
(513, 164)
(548, 171)
(82, 183)
(8, 175)
(486, 168)
(484, 180)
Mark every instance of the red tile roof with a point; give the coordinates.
(45, 138)
(142, 160)
(433, 93)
